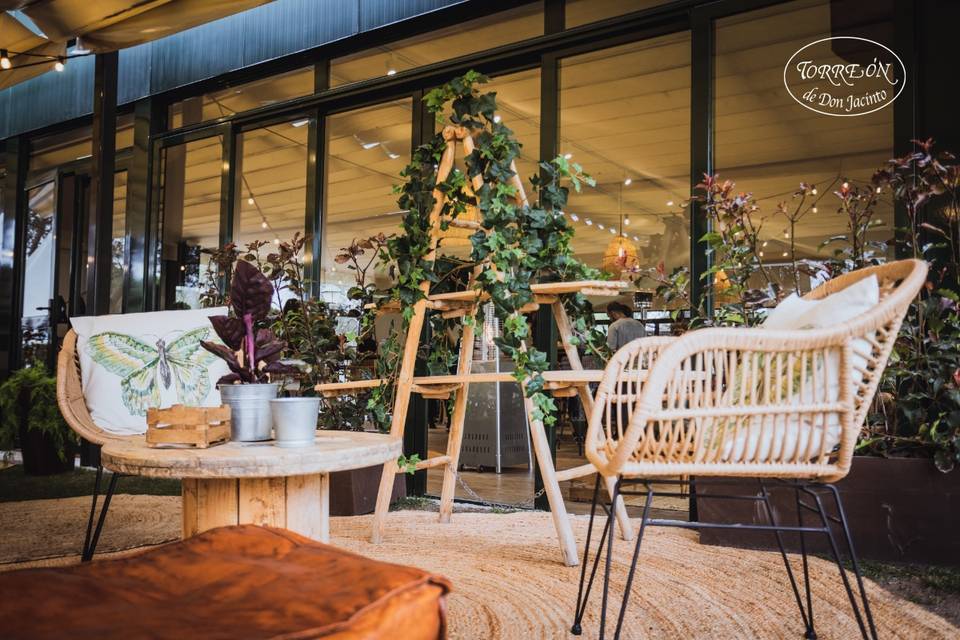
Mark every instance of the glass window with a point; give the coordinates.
(62, 148)
(768, 143)
(272, 182)
(366, 150)
(117, 268)
(38, 272)
(488, 32)
(190, 214)
(578, 12)
(625, 118)
(244, 97)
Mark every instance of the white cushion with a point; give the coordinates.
(780, 439)
(135, 361)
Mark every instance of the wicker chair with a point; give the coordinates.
(74, 409)
(709, 396)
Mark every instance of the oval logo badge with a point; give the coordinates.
(844, 76)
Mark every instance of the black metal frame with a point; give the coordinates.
(811, 490)
(93, 535)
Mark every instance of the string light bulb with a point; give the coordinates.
(276, 241)
(813, 209)
(567, 156)
(626, 221)
(264, 224)
(813, 191)
(574, 217)
(5, 59)
(669, 203)
(588, 222)
(628, 182)
(600, 226)
(60, 64)
(250, 201)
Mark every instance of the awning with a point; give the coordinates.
(35, 32)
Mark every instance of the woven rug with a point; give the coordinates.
(508, 580)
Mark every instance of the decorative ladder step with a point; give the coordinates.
(436, 461)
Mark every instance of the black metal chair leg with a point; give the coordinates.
(582, 597)
(93, 511)
(835, 552)
(783, 554)
(810, 633)
(633, 563)
(91, 547)
(606, 574)
(853, 560)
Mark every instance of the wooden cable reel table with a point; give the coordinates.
(460, 304)
(255, 482)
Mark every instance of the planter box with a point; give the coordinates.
(899, 509)
(354, 492)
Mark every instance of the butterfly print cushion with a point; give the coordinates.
(132, 362)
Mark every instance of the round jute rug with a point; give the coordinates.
(508, 579)
(509, 583)
(38, 529)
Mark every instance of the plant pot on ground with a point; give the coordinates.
(900, 509)
(30, 416)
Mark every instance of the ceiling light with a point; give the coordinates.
(496, 118)
(813, 209)
(784, 254)
(588, 222)
(567, 156)
(813, 191)
(300, 122)
(574, 217)
(363, 143)
(5, 59)
(669, 203)
(613, 231)
(845, 185)
(765, 243)
(60, 64)
(600, 226)
(264, 224)
(276, 241)
(626, 221)
(879, 189)
(761, 254)
(391, 71)
(636, 239)
(786, 234)
(250, 201)
(561, 213)
(628, 182)
(623, 233)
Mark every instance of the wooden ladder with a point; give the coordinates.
(463, 304)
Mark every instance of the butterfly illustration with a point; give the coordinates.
(144, 367)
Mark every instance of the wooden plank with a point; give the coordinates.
(188, 493)
(435, 461)
(459, 414)
(304, 506)
(324, 507)
(216, 503)
(263, 501)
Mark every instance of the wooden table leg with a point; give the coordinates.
(298, 503)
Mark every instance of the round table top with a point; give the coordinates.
(331, 451)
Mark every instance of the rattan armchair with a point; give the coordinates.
(727, 402)
(74, 409)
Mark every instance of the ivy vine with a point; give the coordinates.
(518, 243)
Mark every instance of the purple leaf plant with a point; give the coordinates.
(252, 354)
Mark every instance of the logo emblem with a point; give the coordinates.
(844, 76)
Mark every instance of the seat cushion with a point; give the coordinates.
(231, 583)
(135, 361)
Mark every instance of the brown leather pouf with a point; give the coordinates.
(233, 582)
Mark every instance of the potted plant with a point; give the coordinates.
(903, 473)
(252, 352)
(30, 416)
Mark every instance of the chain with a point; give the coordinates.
(476, 497)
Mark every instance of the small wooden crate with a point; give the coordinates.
(198, 427)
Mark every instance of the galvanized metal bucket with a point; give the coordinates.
(250, 418)
(295, 421)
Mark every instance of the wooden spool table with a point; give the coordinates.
(255, 482)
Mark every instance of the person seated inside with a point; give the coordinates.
(623, 327)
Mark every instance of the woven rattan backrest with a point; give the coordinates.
(70, 394)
